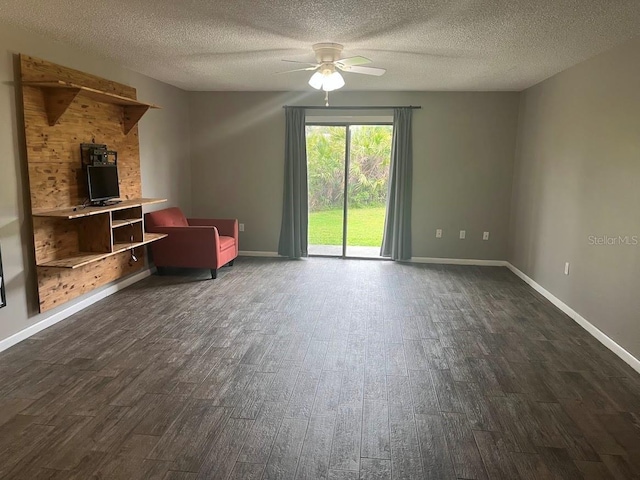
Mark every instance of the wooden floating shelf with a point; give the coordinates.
(79, 212)
(124, 223)
(83, 259)
(59, 95)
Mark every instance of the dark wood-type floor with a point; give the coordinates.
(319, 369)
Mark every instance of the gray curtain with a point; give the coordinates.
(295, 210)
(396, 241)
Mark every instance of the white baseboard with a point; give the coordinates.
(459, 261)
(70, 310)
(249, 253)
(441, 261)
(602, 337)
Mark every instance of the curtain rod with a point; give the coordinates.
(363, 107)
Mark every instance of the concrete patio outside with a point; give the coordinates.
(336, 250)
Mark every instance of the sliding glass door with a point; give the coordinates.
(348, 168)
(326, 164)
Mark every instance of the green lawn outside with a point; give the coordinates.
(364, 228)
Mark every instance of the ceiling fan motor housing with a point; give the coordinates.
(327, 68)
(327, 52)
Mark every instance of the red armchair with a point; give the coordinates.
(193, 242)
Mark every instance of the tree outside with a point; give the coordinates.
(368, 176)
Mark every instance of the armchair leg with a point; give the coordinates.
(231, 262)
(214, 273)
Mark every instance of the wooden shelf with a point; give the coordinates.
(98, 95)
(83, 259)
(59, 95)
(79, 212)
(123, 223)
(148, 238)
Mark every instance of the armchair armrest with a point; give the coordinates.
(226, 226)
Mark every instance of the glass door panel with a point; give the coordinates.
(369, 159)
(326, 151)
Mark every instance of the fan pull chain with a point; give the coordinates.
(326, 99)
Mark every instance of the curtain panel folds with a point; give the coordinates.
(295, 209)
(396, 241)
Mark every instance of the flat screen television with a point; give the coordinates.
(103, 183)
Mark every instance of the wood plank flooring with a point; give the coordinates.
(319, 369)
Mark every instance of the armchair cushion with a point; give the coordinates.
(226, 243)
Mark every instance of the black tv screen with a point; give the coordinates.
(103, 182)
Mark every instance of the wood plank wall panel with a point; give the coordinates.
(56, 184)
(87, 238)
(56, 238)
(56, 177)
(59, 285)
(54, 151)
(124, 234)
(38, 70)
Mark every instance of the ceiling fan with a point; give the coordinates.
(327, 76)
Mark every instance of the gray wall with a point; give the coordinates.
(463, 164)
(164, 152)
(577, 175)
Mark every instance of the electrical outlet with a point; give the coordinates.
(566, 268)
(241, 227)
(439, 233)
(463, 234)
(485, 236)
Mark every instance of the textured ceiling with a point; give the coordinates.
(423, 44)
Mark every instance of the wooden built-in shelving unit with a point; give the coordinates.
(104, 229)
(58, 96)
(77, 248)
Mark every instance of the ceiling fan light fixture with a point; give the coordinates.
(329, 61)
(333, 81)
(316, 80)
(327, 79)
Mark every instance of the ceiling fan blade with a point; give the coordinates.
(351, 61)
(303, 63)
(364, 70)
(298, 70)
